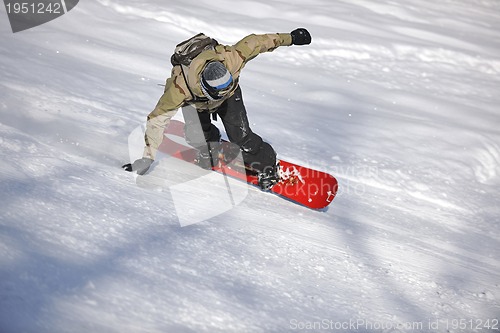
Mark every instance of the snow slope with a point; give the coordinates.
(399, 100)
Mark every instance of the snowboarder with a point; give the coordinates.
(207, 87)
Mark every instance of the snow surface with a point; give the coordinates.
(399, 100)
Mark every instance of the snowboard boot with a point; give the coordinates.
(208, 156)
(230, 152)
(269, 177)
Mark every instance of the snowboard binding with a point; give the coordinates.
(269, 177)
(208, 156)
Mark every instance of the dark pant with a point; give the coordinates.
(256, 153)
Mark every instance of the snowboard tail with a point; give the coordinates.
(312, 188)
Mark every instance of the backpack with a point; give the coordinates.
(189, 49)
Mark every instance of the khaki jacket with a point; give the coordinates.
(177, 94)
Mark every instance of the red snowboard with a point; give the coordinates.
(312, 188)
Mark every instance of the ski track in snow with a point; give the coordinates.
(398, 101)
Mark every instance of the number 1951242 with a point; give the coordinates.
(34, 8)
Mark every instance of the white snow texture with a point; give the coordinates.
(398, 99)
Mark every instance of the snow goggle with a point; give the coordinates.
(217, 92)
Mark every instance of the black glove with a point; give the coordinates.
(300, 36)
(141, 165)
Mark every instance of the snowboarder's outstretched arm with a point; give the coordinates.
(252, 45)
(174, 96)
